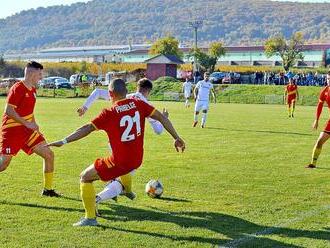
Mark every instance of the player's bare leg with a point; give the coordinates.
(87, 192)
(293, 107)
(48, 168)
(4, 161)
(289, 109)
(195, 118)
(324, 136)
(204, 116)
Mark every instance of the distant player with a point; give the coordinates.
(324, 136)
(291, 95)
(124, 124)
(124, 184)
(19, 130)
(201, 95)
(187, 90)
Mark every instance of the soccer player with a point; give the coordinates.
(123, 185)
(324, 136)
(19, 130)
(187, 90)
(201, 96)
(291, 95)
(124, 124)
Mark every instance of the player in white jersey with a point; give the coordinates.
(123, 185)
(201, 95)
(187, 89)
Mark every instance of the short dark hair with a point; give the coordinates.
(145, 83)
(118, 86)
(34, 65)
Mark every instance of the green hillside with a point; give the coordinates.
(103, 22)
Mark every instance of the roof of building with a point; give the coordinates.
(164, 59)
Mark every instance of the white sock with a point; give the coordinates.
(195, 117)
(187, 103)
(204, 118)
(111, 190)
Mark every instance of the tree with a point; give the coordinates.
(2, 65)
(289, 50)
(216, 50)
(208, 60)
(166, 46)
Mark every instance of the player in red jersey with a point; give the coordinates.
(124, 124)
(291, 95)
(19, 130)
(325, 134)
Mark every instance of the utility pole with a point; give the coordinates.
(195, 25)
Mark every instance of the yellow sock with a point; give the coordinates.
(316, 153)
(87, 192)
(289, 110)
(48, 180)
(126, 181)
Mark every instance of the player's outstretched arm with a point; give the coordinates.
(156, 125)
(10, 111)
(77, 135)
(195, 93)
(96, 94)
(319, 109)
(179, 144)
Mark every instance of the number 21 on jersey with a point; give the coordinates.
(128, 122)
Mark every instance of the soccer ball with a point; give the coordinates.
(154, 188)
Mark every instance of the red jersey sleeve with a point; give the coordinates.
(15, 95)
(101, 121)
(146, 109)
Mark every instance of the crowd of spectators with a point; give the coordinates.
(304, 79)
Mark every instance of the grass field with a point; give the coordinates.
(240, 183)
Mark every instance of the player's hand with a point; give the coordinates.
(315, 124)
(56, 143)
(179, 145)
(32, 126)
(81, 111)
(165, 112)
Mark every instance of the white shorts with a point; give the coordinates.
(201, 105)
(187, 95)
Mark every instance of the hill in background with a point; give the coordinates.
(105, 22)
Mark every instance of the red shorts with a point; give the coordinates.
(327, 127)
(291, 99)
(17, 138)
(107, 170)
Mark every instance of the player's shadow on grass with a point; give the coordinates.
(35, 205)
(172, 199)
(237, 230)
(260, 131)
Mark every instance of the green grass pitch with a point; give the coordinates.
(240, 183)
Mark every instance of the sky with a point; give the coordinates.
(11, 7)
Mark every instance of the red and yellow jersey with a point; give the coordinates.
(23, 100)
(124, 125)
(291, 90)
(325, 95)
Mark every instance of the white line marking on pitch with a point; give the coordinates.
(270, 230)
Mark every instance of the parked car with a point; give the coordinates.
(83, 78)
(49, 82)
(62, 83)
(231, 78)
(216, 77)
